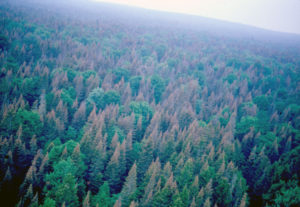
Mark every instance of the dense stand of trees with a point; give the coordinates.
(99, 112)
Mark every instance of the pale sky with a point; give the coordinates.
(277, 15)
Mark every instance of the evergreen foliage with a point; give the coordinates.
(105, 110)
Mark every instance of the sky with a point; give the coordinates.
(276, 15)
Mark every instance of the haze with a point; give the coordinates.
(277, 15)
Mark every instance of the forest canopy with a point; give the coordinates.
(100, 108)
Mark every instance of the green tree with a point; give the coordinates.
(103, 197)
(129, 187)
(96, 96)
(120, 73)
(31, 89)
(113, 173)
(158, 85)
(186, 174)
(244, 126)
(262, 102)
(135, 84)
(111, 97)
(222, 192)
(66, 192)
(4, 43)
(49, 203)
(61, 183)
(160, 51)
(165, 196)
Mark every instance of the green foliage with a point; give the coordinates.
(141, 108)
(50, 101)
(31, 89)
(49, 203)
(294, 110)
(222, 192)
(101, 99)
(160, 52)
(87, 74)
(96, 96)
(263, 124)
(4, 43)
(172, 63)
(120, 73)
(158, 85)
(145, 159)
(145, 51)
(199, 75)
(200, 66)
(66, 192)
(230, 78)
(61, 169)
(205, 145)
(269, 83)
(185, 119)
(243, 127)
(64, 182)
(12, 64)
(71, 74)
(288, 197)
(111, 97)
(163, 198)
(103, 197)
(111, 131)
(198, 106)
(68, 96)
(234, 63)
(33, 50)
(28, 120)
(113, 175)
(262, 102)
(135, 84)
(186, 175)
(71, 134)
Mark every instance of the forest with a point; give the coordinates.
(110, 106)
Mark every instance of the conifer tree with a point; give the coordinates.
(66, 192)
(103, 196)
(118, 203)
(86, 201)
(49, 202)
(145, 159)
(34, 201)
(113, 171)
(130, 186)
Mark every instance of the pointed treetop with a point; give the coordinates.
(86, 202)
(200, 194)
(244, 200)
(29, 193)
(207, 203)
(171, 183)
(116, 155)
(130, 185)
(208, 189)
(133, 204)
(193, 204)
(118, 203)
(19, 132)
(167, 169)
(115, 140)
(196, 181)
(64, 153)
(7, 176)
(76, 152)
